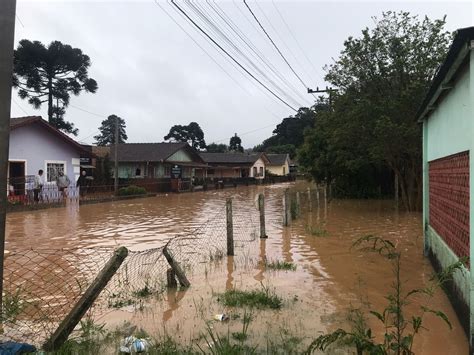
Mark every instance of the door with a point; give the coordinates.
(17, 177)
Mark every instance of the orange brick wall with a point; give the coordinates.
(449, 201)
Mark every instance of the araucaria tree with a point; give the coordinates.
(382, 78)
(107, 131)
(51, 74)
(192, 134)
(235, 144)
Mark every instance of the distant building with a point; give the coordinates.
(235, 165)
(35, 145)
(155, 160)
(279, 164)
(447, 114)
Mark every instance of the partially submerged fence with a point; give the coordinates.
(48, 291)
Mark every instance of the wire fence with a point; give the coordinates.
(41, 286)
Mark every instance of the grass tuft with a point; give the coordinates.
(280, 265)
(255, 299)
(316, 231)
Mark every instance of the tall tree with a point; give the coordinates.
(51, 74)
(382, 78)
(107, 131)
(192, 134)
(217, 148)
(235, 144)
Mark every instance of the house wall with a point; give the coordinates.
(180, 155)
(448, 139)
(258, 164)
(225, 173)
(280, 170)
(36, 145)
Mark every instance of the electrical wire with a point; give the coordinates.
(274, 45)
(230, 56)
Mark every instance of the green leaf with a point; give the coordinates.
(378, 315)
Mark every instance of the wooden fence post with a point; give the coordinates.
(183, 280)
(85, 302)
(286, 208)
(261, 208)
(310, 204)
(230, 227)
(298, 200)
(171, 278)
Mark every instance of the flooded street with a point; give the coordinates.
(330, 277)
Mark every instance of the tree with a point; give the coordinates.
(192, 134)
(217, 148)
(382, 79)
(235, 144)
(51, 74)
(107, 131)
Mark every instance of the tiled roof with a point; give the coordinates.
(152, 152)
(277, 159)
(230, 158)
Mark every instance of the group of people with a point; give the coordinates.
(62, 182)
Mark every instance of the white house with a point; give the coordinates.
(36, 145)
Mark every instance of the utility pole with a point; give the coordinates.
(116, 155)
(7, 38)
(327, 90)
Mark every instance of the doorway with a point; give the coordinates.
(16, 177)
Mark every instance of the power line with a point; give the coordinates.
(207, 18)
(245, 133)
(89, 112)
(210, 56)
(230, 56)
(228, 21)
(294, 37)
(274, 45)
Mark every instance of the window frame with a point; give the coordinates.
(57, 162)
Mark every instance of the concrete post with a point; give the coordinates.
(286, 208)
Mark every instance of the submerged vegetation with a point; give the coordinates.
(280, 265)
(262, 298)
(316, 231)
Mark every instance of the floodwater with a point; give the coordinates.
(330, 278)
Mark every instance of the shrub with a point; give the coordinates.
(131, 190)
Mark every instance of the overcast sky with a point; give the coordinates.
(152, 74)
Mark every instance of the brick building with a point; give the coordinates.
(447, 115)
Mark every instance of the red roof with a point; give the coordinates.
(17, 122)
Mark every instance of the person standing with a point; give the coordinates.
(38, 185)
(82, 184)
(62, 182)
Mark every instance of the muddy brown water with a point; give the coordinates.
(330, 277)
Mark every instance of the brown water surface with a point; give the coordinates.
(329, 279)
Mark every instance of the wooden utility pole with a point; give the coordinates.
(116, 179)
(397, 194)
(178, 271)
(230, 227)
(7, 35)
(261, 208)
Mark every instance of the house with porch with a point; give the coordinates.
(279, 164)
(447, 116)
(35, 145)
(156, 160)
(235, 165)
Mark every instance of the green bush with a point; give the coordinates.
(131, 190)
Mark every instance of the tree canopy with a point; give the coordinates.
(191, 133)
(382, 78)
(107, 131)
(235, 144)
(51, 74)
(217, 148)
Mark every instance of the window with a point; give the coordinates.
(284, 170)
(261, 171)
(53, 169)
(210, 172)
(254, 171)
(167, 170)
(138, 172)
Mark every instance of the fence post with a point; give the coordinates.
(183, 280)
(230, 227)
(80, 308)
(261, 208)
(310, 204)
(286, 208)
(171, 278)
(298, 200)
